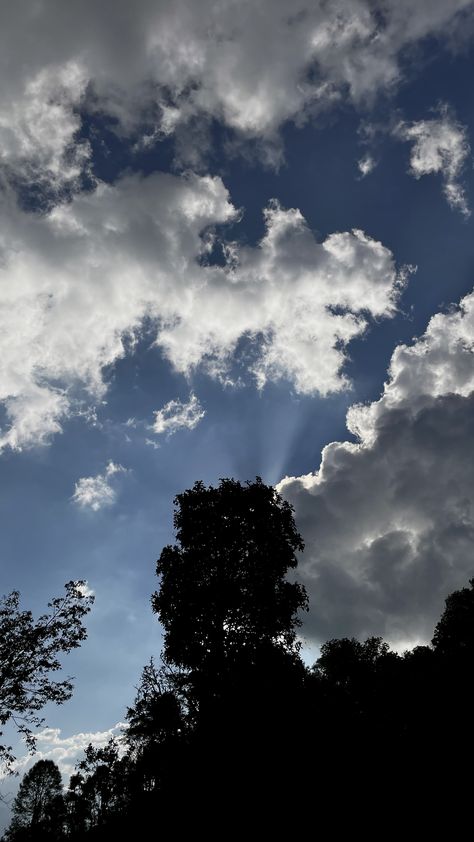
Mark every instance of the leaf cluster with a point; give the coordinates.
(30, 653)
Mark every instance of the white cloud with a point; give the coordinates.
(153, 444)
(366, 164)
(251, 66)
(86, 589)
(388, 521)
(38, 129)
(439, 146)
(78, 282)
(97, 492)
(66, 751)
(176, 415)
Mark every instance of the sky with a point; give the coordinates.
(236, 239)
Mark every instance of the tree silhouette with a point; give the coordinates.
(159, 728)
(99, 790)
(230, 617)
(29, 654)
(38, 809)
(157, 713)
(229, 720)
(453, 644)
(223, 593)
(346, 661)
(454, 634)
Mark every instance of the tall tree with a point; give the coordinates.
(38, 809)
(230, 616)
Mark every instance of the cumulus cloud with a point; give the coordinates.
(78, 282)
(388, 520)
(38, 143)
(86, 589)
(66, 751)
(439, 146)
(176, 415)
(161, 66)
(97, 492)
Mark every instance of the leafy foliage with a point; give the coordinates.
(98, 792)
(29, 656)
(158, 711)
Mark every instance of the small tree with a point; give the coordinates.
(38, 809)
(29, 654)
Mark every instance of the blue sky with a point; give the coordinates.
(222, 229)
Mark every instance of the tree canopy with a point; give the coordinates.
(38, 809)
(223, 591)
(454, 633)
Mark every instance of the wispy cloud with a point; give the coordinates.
(176, 415)
(439, 146)
(97, 492)
(86, 589)
(366, 164)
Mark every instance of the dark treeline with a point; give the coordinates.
(233, 724)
